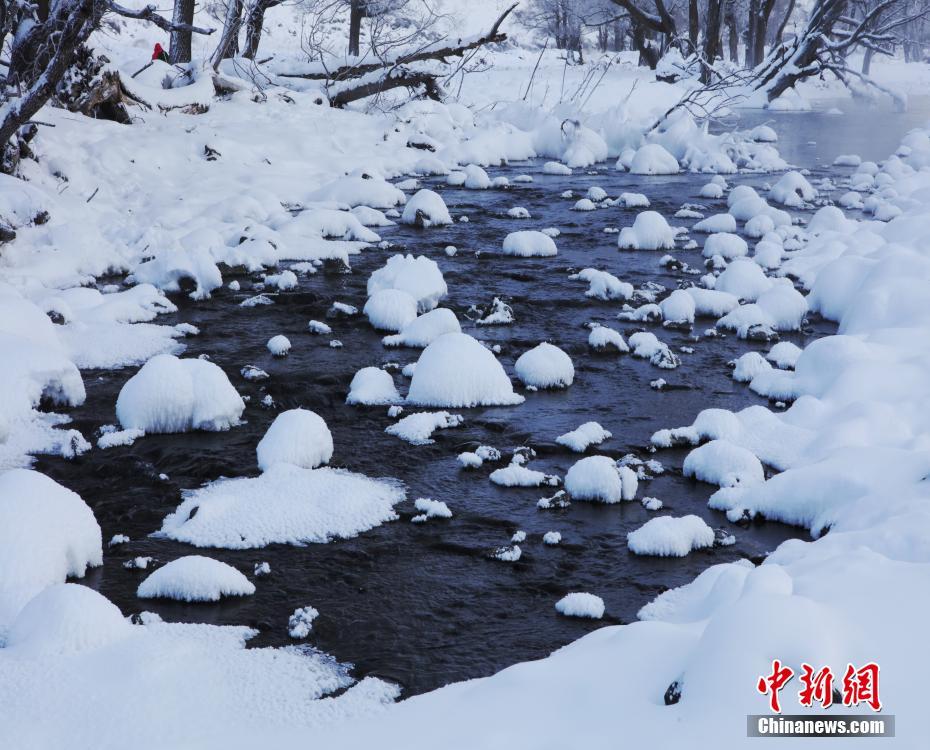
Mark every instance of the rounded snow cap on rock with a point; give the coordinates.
(66, 618)
(529, 243)
(297, 436)
(456, 370)
(545, 366)
(391, 309)
(580, 604)
(650, 231)
(594, 478)
(372, 386)
(177, 395)
(653, 159)
(419, 276)
(195, 578)
(426, 209)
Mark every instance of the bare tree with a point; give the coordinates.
(42, 49)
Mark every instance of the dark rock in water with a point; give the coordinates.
(761, 332)
(673, 693)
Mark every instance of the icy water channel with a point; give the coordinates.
(424, 604)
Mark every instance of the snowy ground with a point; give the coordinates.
(851, 453)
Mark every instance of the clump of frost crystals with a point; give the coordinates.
(297, 436)
(418, 428)
(300, 623)
(650, 231)
(195, 578)
(581, 438)
(670, 536)
(287, 504)
(455, 370)
(426, 209)
(178, 395)
(545, 366)
(580, 604)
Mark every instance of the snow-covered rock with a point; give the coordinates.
(419, 276)
(297, 436)
(426, 328)
(390, 309)
(47, 533)
(583, 437)
(650, 231)
(418, 428)
(529, 244)
(670, 536)
(723, 463)
(372, 386)
(195, 578)
(598, 478)
(545, 366)
(426, 209)
(455, 370)
(580, 604)
(285, 505)
(653, 159)
(178, 395)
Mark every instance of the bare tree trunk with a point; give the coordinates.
(784, 22)
(711, 38)
(357, 12)
(255, 20)
(694, 24)
(180, 46)
(751, 34)
(732, 33)
(229, 41)
(867, 61)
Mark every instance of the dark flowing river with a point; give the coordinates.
(423, 604)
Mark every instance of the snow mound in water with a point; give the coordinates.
(598, 478)
(670, 536)
(390, 309)
(581, 438)
(529, 244)
(678, 307)
(47, 533)
(744, 279)
(784, 354)
(716, 223)
(476, 178)
(603, 338)
(723, 463)
(372, 386)
(285, 505)
(455, 370)
(556, 168)
(603, 285)
(297, 436)
(653, 159)
(545, 366)
(422, 331)
(417, 429)
(725, 244)
(712, 302)
(195, 578)
(419, 276)
(426, 209)
(650, 231)
(580, 604)
(65, 619)
(178, 395)
(361, 190)
(279, 345)
(792, 189)
(633, 200)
